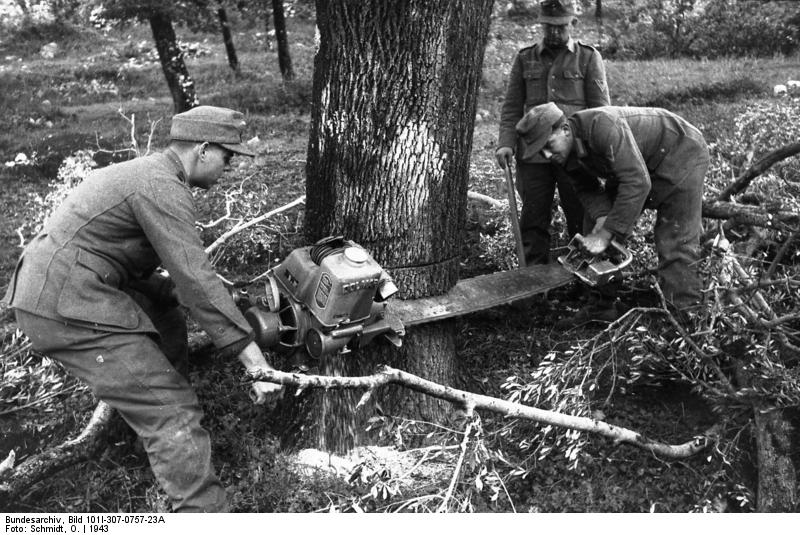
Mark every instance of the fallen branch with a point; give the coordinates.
(457, 470)
(773, 267)
(386, 375)
(707, 359)
(769, 159)
(732, 269)
(247, 224)
(758, 216)
(83, 447)
(491, 201)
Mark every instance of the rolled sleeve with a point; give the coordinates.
(166, 212)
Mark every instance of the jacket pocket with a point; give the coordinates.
(91, 294)
(535, 84)
(569, 88)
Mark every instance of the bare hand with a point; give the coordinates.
(503, 156)
(262, 392)
(597, 242)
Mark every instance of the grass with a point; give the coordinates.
(86, 88)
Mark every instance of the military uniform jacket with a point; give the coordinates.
(640, 152)
(113, 230)
(574, 78)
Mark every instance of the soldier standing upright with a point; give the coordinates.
(571, 74)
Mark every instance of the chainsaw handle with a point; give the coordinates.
(623, 252)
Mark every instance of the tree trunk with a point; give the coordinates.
(776, 442)
(395, 88)
(233, 61)
(598, 9)
(284, 58)
(180, 83)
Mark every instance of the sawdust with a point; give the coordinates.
(408, 467)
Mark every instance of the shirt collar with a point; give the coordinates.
(571, 44)
(176, 163)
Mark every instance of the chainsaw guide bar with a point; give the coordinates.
(480, 293)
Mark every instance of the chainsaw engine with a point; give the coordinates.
(329, 297)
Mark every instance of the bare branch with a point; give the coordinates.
(228, 204)
(732, 268)
(81, 448)
(151, 134)
(769, 159)
(757, 216)
(491, 201)
(386, 375)
(780, 254)
(709, 361)
(242, 226)
(457, 470)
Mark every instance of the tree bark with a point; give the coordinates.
(179, 81)
(777, 473)
(395, 88)
(758, 216)
(284, 58)
(233, 61)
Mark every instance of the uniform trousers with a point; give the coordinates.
(536, 184)
(138, 375)
(679, 224)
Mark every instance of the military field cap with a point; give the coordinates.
(556, 12)
(535, 127)
(222, 126)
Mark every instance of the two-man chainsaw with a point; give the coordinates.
(333, 297)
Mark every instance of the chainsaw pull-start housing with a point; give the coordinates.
(595, 270)
(326, 298)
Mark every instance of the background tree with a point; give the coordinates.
(160, 16)
(395, 88)
(230, 49)
(284, 57)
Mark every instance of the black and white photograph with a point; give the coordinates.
(399, 256)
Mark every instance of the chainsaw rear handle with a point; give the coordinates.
(595, 270)
(619, 253)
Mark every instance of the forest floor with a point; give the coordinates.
(76, 101)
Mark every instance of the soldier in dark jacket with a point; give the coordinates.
(86, 292)
(570, 74)
(648, 158)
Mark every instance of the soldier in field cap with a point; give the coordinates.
(571, 75)
(87, 293)
(648, 158)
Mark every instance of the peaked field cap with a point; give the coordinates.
(222, 126)
(536, 126)
(556, 12)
